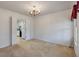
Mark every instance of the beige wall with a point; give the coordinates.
(5, 26)
(55, 27)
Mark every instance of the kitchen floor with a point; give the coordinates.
(36, 48)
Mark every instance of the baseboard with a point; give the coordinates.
(53, 43)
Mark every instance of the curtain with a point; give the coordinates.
(74, 12)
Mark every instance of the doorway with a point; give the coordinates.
(21, 30)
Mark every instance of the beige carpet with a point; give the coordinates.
(36, 48)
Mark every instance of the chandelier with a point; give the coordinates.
(35, 11)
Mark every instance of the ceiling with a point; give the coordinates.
(44, 6)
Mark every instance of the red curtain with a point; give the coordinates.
(74, 13)
(78, 6)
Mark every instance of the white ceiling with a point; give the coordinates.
(44, 6)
